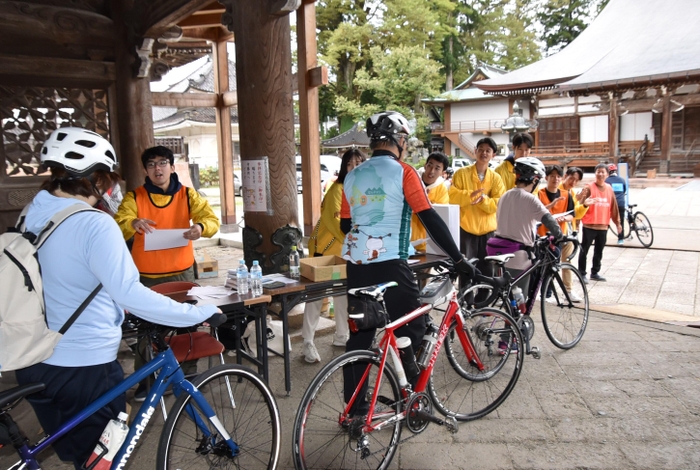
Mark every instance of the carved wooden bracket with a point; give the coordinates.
(143, 56)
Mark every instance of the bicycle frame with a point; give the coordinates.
(170, 373)
(387, 347)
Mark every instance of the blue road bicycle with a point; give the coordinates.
(226, 417)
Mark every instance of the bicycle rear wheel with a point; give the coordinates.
(642, 227)
(324, 437)
(246, 408)
(564, 311)
(625, 226)
(462, 388)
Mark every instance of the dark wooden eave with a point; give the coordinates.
(161, 14)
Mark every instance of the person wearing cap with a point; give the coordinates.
(163, 203)
(85, 251)
(379, 197)
(619, 187)
(596, 221)
(522, 145)
(434, 183)
(477, 189)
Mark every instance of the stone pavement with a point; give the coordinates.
(626, 397)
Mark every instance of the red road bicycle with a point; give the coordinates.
(465, 377)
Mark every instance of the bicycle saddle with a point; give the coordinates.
(631, 206)
(375, 291)
(9, 398)
(500, 259)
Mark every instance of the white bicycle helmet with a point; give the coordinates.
(387, 124)
(79, 151)
(529, 169)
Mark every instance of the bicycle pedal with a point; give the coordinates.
(451, 424)
(535, 352)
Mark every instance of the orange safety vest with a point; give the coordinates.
(557, 208)
(175, 214)
(600, 212)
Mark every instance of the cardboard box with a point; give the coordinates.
(323, 268)
(450, 214)
(205, 267)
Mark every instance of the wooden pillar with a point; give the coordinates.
(223, 139)
(666, 134)
(134, 118)
(265, 108)
(613, 132)
(308, 115)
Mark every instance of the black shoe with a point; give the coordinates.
(585, 279)
(597, 277)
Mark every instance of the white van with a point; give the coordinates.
(458, 163)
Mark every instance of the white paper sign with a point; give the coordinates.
(450, 214)
(256, 185)
(165, 239)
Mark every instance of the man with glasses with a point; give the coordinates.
(164, 203)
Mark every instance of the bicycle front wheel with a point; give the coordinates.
(326, 437)
(565, 308)
(479, 367)
(243, 404)
(642, 227)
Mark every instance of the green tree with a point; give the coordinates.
(564, 20)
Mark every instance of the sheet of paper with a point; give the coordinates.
(210, 292)
(413, 261)
(419, 241)
(556, 216)
(165, 239)
(278, 278)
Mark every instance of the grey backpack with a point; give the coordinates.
(25, 338)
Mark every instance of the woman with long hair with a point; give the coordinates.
(327, 239)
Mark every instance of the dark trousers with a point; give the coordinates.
(474, 246)
(399, 301)
(68, 391)
(591, 236)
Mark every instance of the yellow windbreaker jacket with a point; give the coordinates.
(477, 219)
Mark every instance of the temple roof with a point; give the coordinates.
(466, 90)
(353, 137)
(631, 44)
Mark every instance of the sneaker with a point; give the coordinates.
(597, 277)
(340, 340)
(574, 297)
(503, 347)
(311, 353)
(584, 278)
(140, 393)
(551, 300)
(620, 241)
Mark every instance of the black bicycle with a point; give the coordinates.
(557, 287)
(638, 223)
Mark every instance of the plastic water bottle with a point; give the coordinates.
(519, 299)
(242, 277)
(256, 279)
(294, 263)
(109, 444)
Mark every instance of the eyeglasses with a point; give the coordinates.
(161, 163)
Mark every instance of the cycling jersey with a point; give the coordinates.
(379, 196)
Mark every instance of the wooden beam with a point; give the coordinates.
(613, 131)
(209, 34)
(229, 98)
(201, 21)
(317, 76)
(162, 14)
(223, 137)
(57, 69)
(213, 7)
(283, 7)
(185, 100)
(308, 114)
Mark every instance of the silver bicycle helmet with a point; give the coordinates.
(529, 169)
(79, 151)
(382, 126)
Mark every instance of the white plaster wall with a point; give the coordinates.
(634, 126)
(593, 129)
(480, 110)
